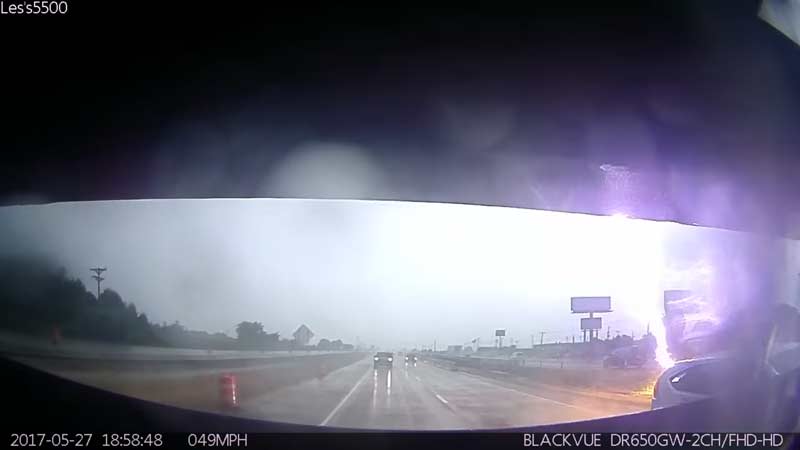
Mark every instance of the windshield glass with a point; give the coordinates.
(518, 317)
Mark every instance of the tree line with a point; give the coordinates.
(251, 335)
(37, 297)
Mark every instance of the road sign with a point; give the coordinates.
(591, 323)
(590, 304)
(500, 333)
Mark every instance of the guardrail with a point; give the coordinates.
(509, 364)
(27, 346)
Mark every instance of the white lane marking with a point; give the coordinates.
(418, 378)
(345, 398)
(441, 399)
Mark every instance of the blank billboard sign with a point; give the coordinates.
(590, 304)
(593, 323)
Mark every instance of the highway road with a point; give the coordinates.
(423, 397)
(343, 390)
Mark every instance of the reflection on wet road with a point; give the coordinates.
(381, 388)
(417, 397)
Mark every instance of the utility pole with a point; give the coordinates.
(533, 340)
(98, 271)
(434, 345)
(541, 337)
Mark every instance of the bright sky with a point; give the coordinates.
(390, 273)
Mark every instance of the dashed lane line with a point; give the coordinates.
(345, 398)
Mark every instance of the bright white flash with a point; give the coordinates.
(636, 268)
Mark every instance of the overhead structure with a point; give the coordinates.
(97, 271)
(499, 334)
(590, 326)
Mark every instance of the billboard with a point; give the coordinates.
(590, 304)
(500, 333)
(593, 323)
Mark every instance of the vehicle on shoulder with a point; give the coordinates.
(624, 357)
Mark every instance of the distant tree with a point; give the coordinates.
(251, 335)
(130, 311)
(271, 340)
(245, 330)
(324, 344)
(141, 331)
(110, 299)
(285, 344)
(37, 296)
(621, 341)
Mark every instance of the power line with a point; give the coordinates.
(98, 271)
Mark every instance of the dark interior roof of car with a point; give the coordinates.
(208, 108)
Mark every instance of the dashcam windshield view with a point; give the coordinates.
(546, 224)
(381, 314)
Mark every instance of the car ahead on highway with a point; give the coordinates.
(383, 359)
(411, 359)
(629, 356)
